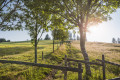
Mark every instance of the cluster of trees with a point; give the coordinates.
(39, 16)
(60, 34)
(4, 40)
(116, 40)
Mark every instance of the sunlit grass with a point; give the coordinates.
(95, 52)
(96, 49)
(24, 51)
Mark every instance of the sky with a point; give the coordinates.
(103, 32)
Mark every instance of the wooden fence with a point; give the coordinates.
(66, 67)
(103, 61)
(79, 69)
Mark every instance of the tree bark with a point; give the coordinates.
(53, 40)
(82, 46)
(36, 43)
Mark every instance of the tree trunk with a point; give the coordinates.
(36, 43)
(35, 51)
(53, 40)
(82, 46)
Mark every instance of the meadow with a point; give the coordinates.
(24, 51)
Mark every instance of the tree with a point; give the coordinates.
(2, 40)
(8, 41)
(70, 35)
(36, 20)
(9, 15)
(82, 14)
(60, 34)
(74, 32)
(118, 40)
(78, 38)
(113, 40)
(47, 37)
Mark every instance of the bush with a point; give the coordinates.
(2, 40)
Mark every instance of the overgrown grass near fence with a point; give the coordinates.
(24, 51)
(95, 51)
(97, 74)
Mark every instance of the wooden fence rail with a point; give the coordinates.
(109, 62)
(83, 61)
(79, 69)
(95, 63)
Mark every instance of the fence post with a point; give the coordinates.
(103, 63)
(69, 64)
(53, 45)
(70, 47)
(65, 72)
(79, 72)
(42, 55)
(57, 45)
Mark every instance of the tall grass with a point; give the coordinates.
(24, 51)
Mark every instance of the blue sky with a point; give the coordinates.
(103, 32)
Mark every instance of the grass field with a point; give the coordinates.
(24, 51)
(96, 49)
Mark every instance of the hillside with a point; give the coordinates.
(23, 51)
(96, 49)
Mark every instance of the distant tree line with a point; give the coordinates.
(75, 36)
(116, 40)
(4, 40)
(47, 37)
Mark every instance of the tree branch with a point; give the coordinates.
(9, 14)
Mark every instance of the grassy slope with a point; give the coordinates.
(96, 49)
(23, 51)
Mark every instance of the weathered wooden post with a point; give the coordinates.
(42, 55)
(53, 45)
(57, 45)
(103, 63)
(60, 43)
(65, 72)
(79, 72)
(69, 64)
(70, 47)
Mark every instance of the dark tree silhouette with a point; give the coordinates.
(47, 37)
(113, 40)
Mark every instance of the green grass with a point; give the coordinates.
(24, 51)
(111, 71)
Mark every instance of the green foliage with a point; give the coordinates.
(47, 37)
(59, 34)
(2, 40)
(84, 12)
(9, 15)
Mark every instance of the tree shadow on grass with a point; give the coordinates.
(15, 50)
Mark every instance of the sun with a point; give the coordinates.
(93, 29)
